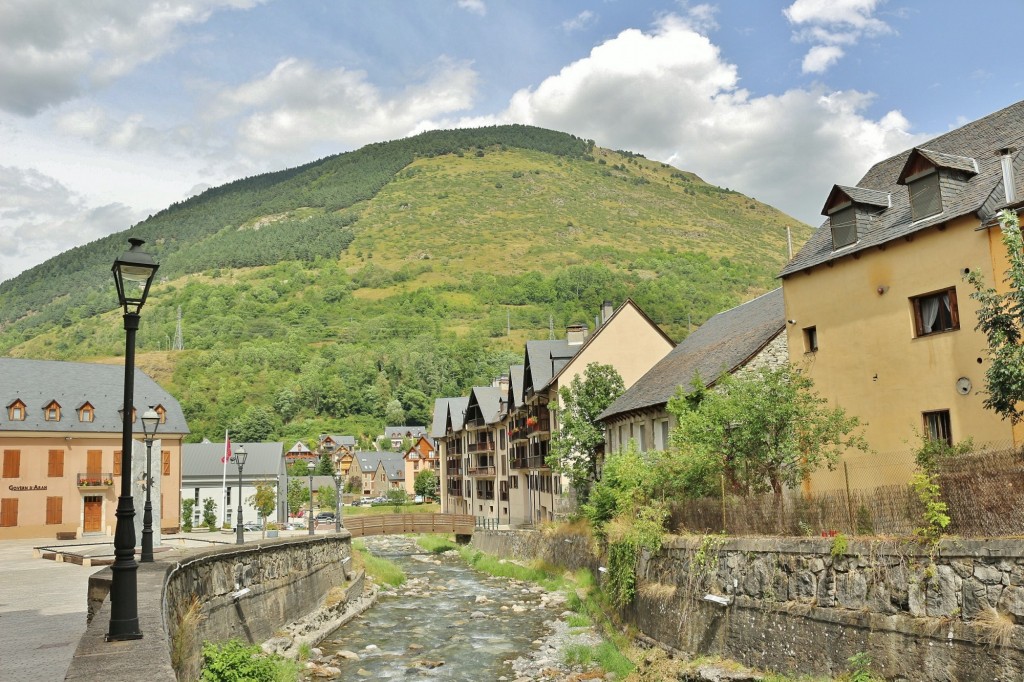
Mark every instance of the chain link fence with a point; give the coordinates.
(984, 492)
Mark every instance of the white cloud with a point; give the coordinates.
(474, 6)
(40, 218)
(581, 21)
(298, 106)
(52, 51)
(830, 23)
(820, 57)
(669, 95)
(701, 18)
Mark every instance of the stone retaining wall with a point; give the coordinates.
(794, 606)
(286, 579)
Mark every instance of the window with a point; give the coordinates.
(228, 502)
(642, 437)
(925, 197)
(810, 339)
(197, 496)
(55, 464)
(937, 426)
(501, 439)
(12, 463)
(936, 312)
(844, 227)
(8, 512)
(16, 411)
(159, 409)
(51, 412)
(86, 413)
(54, 510)
(664, 434)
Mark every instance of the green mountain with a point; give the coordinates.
(357, 288)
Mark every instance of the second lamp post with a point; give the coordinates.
(150, 422)
(311, 467)
(239, 458)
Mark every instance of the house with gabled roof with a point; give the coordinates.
(749, 336)
(879, 314)
(447, 431)
(202, 477)
(60, 439)
(420, 456)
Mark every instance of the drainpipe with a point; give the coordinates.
(1009, 182)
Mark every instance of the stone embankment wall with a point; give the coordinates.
(807, 605)
(186, 597)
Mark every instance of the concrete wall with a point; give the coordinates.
(794, 607)
(287, 579)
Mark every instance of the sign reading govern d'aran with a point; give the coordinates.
(22, 488)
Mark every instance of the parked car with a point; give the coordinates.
(251, 526)
(418, 499)
(324, 517)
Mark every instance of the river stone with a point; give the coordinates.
(478, 614)
(347, 655)
(363, 672)
(428, 664)
(326, 671)
(415, 647)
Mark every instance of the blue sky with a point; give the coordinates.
(110, 111)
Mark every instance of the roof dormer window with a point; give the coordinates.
(86, 412)
(51, 411)
(850, 211)
(928, 173)
(925, 195)
(844, 227)
(162, 412)
(16, 411)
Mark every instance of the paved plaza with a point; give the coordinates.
(42, 612)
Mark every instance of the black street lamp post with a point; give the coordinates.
(133, 275)
(150, 423)
(339, 505)
(239, 459)
(310, 467)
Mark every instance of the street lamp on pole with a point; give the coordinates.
(310, 467)
(133, 273)
(150, 423)
(239, 458)
(338, 503)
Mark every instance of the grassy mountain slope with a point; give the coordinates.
(324, 297)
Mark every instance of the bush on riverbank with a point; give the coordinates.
(235, 660)
(436, 544)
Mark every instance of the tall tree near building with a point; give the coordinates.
(264, 501)
(762, 431)
(1001, 319)
(575, 446)
(426, 483)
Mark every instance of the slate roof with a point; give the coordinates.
(440, 418)
(515, 386)
(488, 400)
(202, 460)
(400, 431)
(544, 359)
(38, 382)
(347, 441)
(394, 462)
(457, 412)
(860, 195)
(979, 141)
(722, 344)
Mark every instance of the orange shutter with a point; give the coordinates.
(8, 512)
(12, 463)
(166, 462)
(54, 510)
(94, 462)
(117, 462)
(55, 466)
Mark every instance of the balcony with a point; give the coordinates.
(481, 446)
(455, 490)
(453, 466)
(519, 463)
(95, 480)
(535, 426)
(481, 471)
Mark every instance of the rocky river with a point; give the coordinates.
(451, 622)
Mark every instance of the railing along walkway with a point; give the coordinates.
(398, 524)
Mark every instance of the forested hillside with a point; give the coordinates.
(358, 288)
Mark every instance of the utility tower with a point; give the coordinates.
(179, 339)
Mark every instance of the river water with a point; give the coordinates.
(445, 623)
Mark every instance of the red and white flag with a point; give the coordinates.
(227, 449)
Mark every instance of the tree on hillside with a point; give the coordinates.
(325, 465)
(1001, 319)
(394, 413)
(575, 446)
(254, 426)
(762, 431)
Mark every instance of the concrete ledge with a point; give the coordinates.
(286, 579)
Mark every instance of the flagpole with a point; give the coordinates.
(224, 482)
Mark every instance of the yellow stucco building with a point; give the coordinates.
(878, 312)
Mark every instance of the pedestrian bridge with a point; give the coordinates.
(400, 524)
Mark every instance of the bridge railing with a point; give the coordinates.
(398, 524)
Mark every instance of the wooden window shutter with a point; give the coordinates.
(55, 465)
(54, 510)
(165, 457)
(117, 462)
(954, 312)
(8, 512)
(94, 462)
(12, 463)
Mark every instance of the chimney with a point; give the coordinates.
(501, 383)
(606, 311)
(576, 334)
(1009, 182)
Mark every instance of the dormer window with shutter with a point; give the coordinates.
(51, 411)
(933, 178)
(86, 412)
(851, 212)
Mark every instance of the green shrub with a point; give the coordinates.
(235, 661)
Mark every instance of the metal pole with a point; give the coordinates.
(147, 514)
(849, 500)
(310, 519)
(338, 504)
(124, 604)
(240, 532)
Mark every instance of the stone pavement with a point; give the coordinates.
(42, 612)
